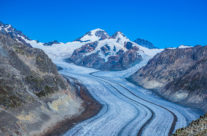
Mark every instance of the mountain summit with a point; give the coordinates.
(95, 49)
(101, 51)
(94, 35)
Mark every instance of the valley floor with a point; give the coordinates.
(126, 109)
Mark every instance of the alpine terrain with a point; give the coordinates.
(96, 49)
(35, 97)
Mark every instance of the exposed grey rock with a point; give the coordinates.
(33, 96)
(105, 49)
(78, 54)
(107, 56)
(51, 43)
(13, 33)
(177, 74)
(102, 34)
(121, 60)
(114, 36)
(145, 43)
(128, 45)
(195, 128)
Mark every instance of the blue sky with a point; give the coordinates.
(165, 23)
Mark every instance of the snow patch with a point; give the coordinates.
(178, 96)
(121, 38)
(184, 46)
(8, 27)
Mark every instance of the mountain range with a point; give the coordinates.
(96, 49)
(177, 74)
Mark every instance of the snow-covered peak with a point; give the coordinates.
(96, 30)
(94, 35)
(6, 27)
(13, 33)
(120, 37)
(96, 41)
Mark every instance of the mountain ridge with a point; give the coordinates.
(99, 50)
(178, 75)
(95, 49)
(114, 52)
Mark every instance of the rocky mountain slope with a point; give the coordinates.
(177, 74)
(145, 43)
(106, 52)
(196, 128)
(33, 96)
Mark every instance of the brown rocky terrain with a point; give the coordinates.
(177, 74)
(180, 76)
(195, 128)
(90, 105)
(33, 96)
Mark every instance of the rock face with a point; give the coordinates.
(145, 43)
(177, 74)
(33, 96)
(13, 33)
(196, 128)
(106, 53)
(51, 43)
(120, 60)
